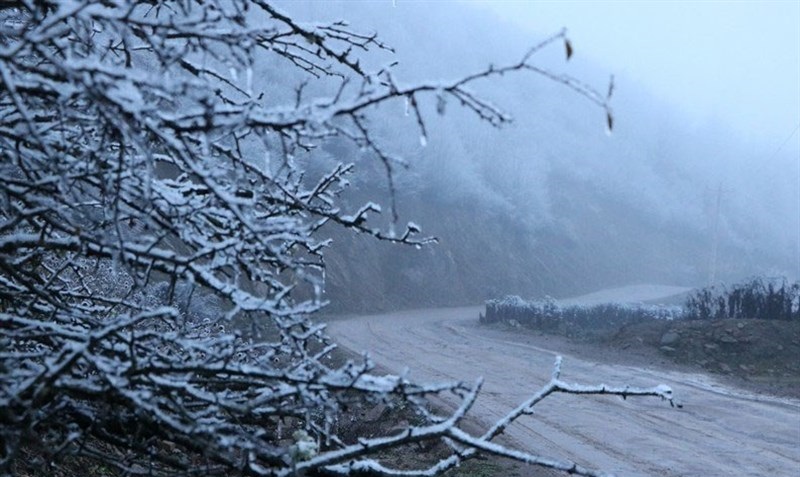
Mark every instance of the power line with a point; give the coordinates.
(784, 143)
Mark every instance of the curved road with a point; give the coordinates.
(719, 431)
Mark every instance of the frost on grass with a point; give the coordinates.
(161, 241)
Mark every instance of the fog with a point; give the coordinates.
(698, 182)
(729, 61)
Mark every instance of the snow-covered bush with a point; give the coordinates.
(757, 298)
(549, 315)
(161, 246)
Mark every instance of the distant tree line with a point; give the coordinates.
(757, 298)
(573, 320)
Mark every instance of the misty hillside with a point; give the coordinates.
(551, 204)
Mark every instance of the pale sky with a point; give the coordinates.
(736, 63)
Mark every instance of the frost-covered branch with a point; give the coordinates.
(485, 442)
(162, 239)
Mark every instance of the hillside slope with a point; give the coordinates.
(551, 204)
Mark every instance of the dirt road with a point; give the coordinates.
(719, 431)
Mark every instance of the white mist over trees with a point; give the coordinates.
(162, 234)
(550, 204)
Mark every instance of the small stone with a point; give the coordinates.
(725, 368)
(375, 414)
(780, 347)
(399, 427)
(670, 337)
(710, 346)
(740, 325)
(667, 349)
(728, 339)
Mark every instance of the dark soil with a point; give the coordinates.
(762, 355)
(758, 355)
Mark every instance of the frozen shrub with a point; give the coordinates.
(152, 195)
(757, 298)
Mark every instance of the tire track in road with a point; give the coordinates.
(721, 431)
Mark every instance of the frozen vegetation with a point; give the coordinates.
(548, 314)
(758, 298)
(164, 213)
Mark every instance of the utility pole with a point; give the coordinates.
(712, 275)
